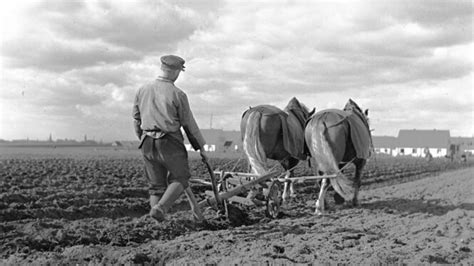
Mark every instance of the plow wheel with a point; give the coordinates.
(273, 199)
(224, 185)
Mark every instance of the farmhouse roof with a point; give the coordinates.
(463, 140)
(384, 141)
(213, 136)
(417, 138)
(465, 143)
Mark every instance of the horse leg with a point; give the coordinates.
(288, 164)
(285, 195)
(292, 163)
(258, 168)
(285, 164)
(320, 202)
(360, 163)
(338, 199)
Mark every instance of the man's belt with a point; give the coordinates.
(148, 132)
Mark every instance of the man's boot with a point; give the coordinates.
(171, 194)
(154, 199)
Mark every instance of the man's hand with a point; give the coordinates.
(138, 129)
(204, 155)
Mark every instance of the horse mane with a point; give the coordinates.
(352, 106)
(295, 104)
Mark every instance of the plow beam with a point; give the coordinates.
(233, 192)
(305, 178)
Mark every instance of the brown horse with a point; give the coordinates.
(336, 138)
(271, 133)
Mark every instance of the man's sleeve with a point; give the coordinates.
(189, 124)
(137, 121)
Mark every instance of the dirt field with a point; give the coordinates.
(83, 209)
(425, 221)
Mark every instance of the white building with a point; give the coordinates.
(219, 140)
(384, 144)
(415, 142)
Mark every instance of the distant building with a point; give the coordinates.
(464, 145)
(126, 144)
(117, 144)
(384, 144)
(218, 140)
(416, 142)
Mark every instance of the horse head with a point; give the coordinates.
(299, 110)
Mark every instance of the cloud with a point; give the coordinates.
(61, 55)
(85, 59)
(313, 46)
(441, 105)
(328, 51)
(147, 26)
(60, 36)
(120, 74)
(50, 93)
(436, 13)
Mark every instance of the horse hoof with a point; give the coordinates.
(318, 213)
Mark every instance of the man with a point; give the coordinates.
(160, 110)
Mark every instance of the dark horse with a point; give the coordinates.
(336, 138)
(269, 132)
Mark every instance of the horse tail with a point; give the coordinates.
(252, 145)
(327, 163)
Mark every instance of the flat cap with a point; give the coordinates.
(173, 62)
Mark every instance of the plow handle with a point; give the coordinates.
(214, 185)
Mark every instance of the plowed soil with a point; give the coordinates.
(83, 207)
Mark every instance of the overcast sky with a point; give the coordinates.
(72, 68)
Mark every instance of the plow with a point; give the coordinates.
(235, 187)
